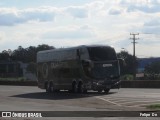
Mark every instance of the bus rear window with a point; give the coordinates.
(101, 53)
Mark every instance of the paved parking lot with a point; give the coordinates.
(27, 98)
(136, 98)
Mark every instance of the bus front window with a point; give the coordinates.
(105, 63)
(101, 53)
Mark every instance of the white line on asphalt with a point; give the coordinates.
(123, 104)
(139, 101)
(153, 93)
(118, 100)
(141, 105)
(125, 100)
(108, 101)
(137, 106)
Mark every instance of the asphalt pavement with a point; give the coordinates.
(27, 98)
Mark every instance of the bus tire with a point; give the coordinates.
(57, 90)
(80, 87)
(106, 91)
(85, 91)
(74, 87)
(99, 91)
(47, 86)
(51, 87)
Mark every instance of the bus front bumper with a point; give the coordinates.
(106, 85)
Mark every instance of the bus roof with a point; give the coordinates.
(71, 48)
(62, 53)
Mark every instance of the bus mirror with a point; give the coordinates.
(122, 62)
(86, 63)
(78, 54)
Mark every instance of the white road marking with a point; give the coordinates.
(139, 101)
(108, 101)
(142, 105)
(153, 93)
(124, 101)
(120, 100)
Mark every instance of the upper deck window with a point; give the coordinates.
(101, 53)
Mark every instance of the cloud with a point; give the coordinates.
(151, 29)
(12, 16)
(8, 16)
(153, 22)
(153, 50)
(70, 32)
(41, 14)
(152, 26)
(98, 21)
(147, 6)
(2, 36)
(146, 9)
(115, 11)
(77, 11)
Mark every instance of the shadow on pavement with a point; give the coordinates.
(59, 95)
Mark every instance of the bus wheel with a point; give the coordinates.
(106, 91)
(51, 87)
(74, 87)
(48, 90)
(57, 90)
(85, 91)
(80, 88)
(99, 91)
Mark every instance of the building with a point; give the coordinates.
(10, 69)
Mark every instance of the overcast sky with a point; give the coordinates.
(65, 23)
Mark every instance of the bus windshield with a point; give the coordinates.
(105, 63)
(101, 53)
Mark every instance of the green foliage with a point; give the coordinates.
(24, 55)
(4, 55)
(13, 79)
(127, 77)
(152, 71)
(154, 106)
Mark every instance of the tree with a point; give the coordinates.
(20, 54)
(5, 55)
(44, 47)
(130, 62)
(29, 54)
(152, 71)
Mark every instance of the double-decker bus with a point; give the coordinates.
(78, 69)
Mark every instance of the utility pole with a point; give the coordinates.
(134, 56)
(134, 42)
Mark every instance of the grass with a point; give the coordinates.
(127, 77)
(154, 106)
(13, 79)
